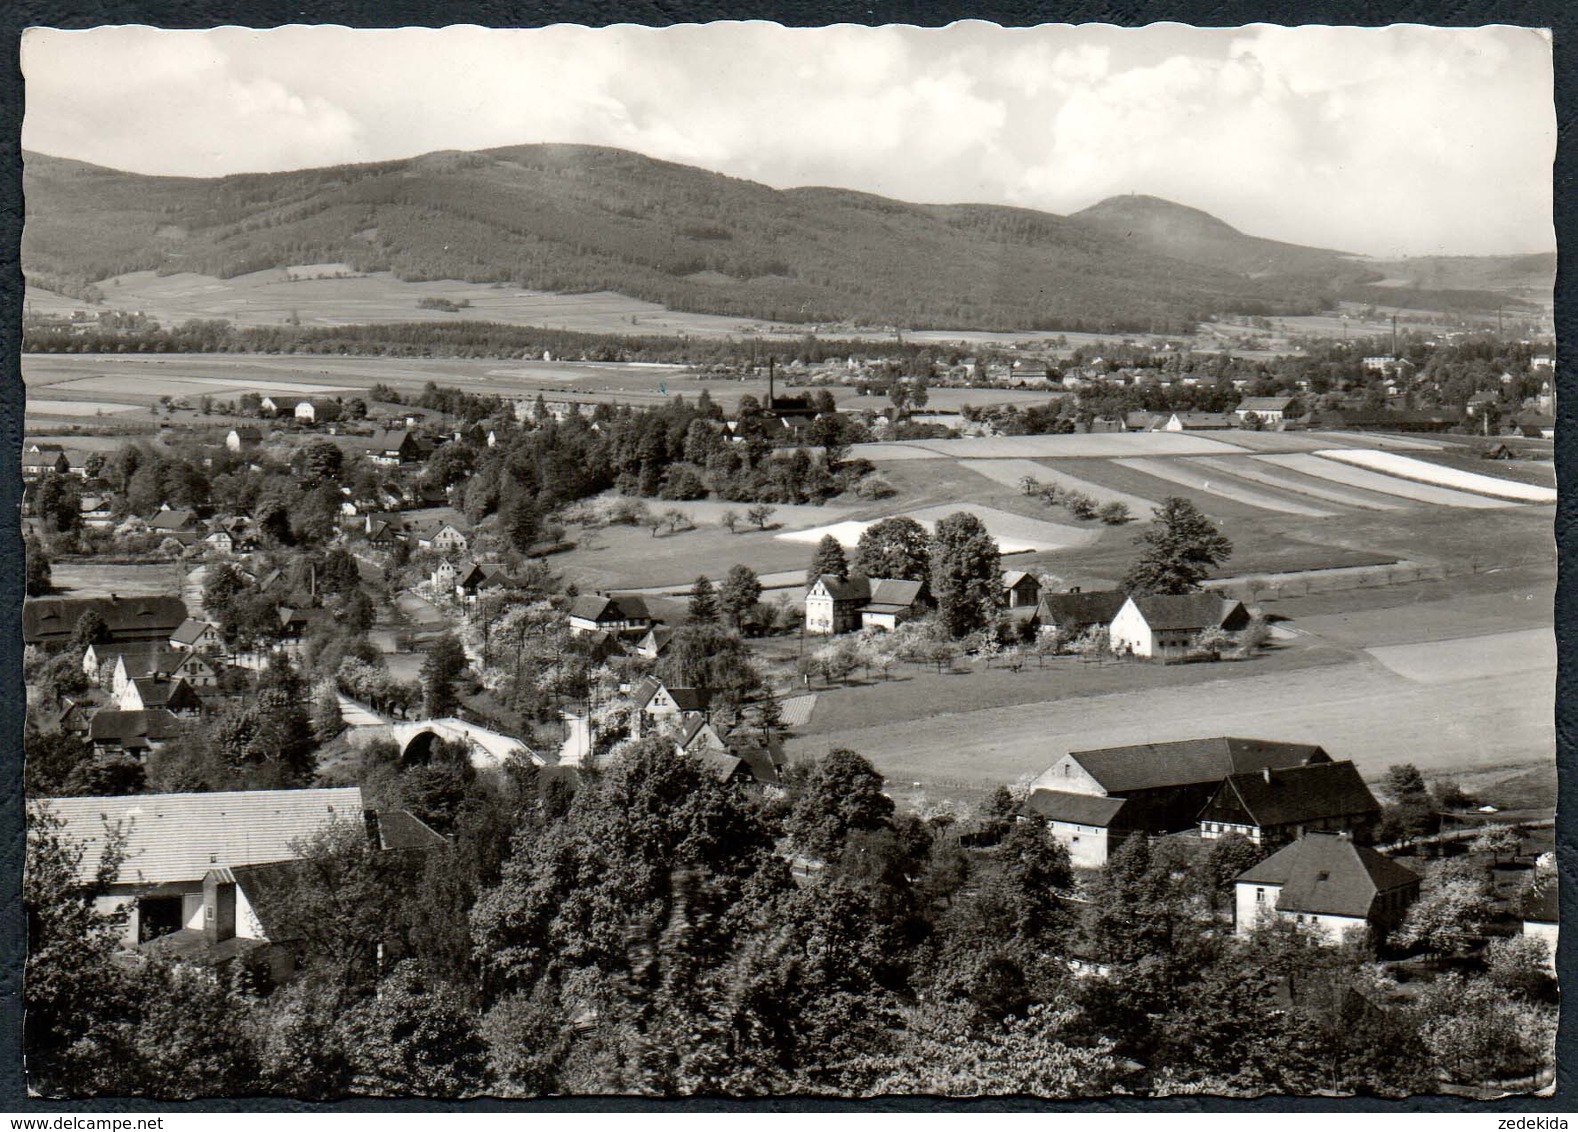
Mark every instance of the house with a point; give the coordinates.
(1075, 613)
(52, 620)
(1275, 806)
(655, 705)
(655, 643)
(1542, 916)
(73, 719)
(220, 542)
(1093, 800)
(1141, 420)
(97, 511)
(835, 605)
(612, 613)
(269, 407)
(1022, 589)
(137, 661)
(306, 411)
(749, 760)
(1166, 625)
(197, 636)
(173, 694)
(381, 531)
(243, 439)
(38, 464)
(173, 520)
(1328, 882)
(1198, 422)
(1378, 363)
(392, 447)
(473, 579)
(1537, 425)
(443, 536)
(173, 841)
(443, 575)
(1270, 410)
(295, 624)
(112, 731)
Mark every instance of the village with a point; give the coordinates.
(269, 632)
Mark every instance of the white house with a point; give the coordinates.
(443, 536)
(198, 636)
(1271, 410)
(1325, 881)
(834, 605)
(1166, 625)
(306, 411)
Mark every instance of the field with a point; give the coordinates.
(1446, 705)
(1409, 468)
(125, 383)
(1378, 481)
(100, 579)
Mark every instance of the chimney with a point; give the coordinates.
(375, 836)
(1073, 589)
(1265, 772)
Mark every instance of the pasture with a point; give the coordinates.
(96, 578)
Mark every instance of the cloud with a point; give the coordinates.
(1390, 139)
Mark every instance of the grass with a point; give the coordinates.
(100, 579)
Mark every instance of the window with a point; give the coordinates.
(1260, 896)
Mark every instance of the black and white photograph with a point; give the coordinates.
(741, 561)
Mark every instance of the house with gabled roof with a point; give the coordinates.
(612, 613)
(1076, 612)
(1197, 422)
(197, 636)
(655, 705)
(473, 579)
(392, 447)
(1274, 806)
(1093, 800)
(1021, 589)
(1271, 410)
(52, 620)
(839, 605)
(1327, 882)
(243, 438)
(46, 460)
(444, 536)
(112, 731)
(173, 520)
(655, 643)
(173, 694)
(1166, 625)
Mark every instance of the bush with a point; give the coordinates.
(1114, 514)
(1080, 505)
(875, 487)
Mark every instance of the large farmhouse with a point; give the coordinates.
(839, 605)
(1092, 800)
(1275, 806)
(1166, 625)
(52, 620)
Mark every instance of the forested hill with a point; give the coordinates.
(579, 218)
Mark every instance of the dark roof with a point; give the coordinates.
(132, 727)
(190, 945)
(764, 758)
(721, 764)
(189, 630)
(399, 829)
(157, 691)
(54, 618)
(690, 699)
(1264, 404)
(1327, 874)
(610, 607)
(179, 519)
(853, 588)
(1079, 610)
(1184, 612)
(1080, 809)
(387, 439)
(1148, 765)
(897, 592)
(1291, 794)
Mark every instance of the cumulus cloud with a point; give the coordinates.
(1406, 139)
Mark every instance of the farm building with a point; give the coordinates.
(199, 636)
(473, 579)
(444, 536)
(36, 465)
(655, 705)
(1075, 613)
(835, 605)
(1198, 422)
(612, 613)
(1276, 806)
(112, 731)
(1167, 625)
(52, 620)
(1326, 881)
(392, 447)
(1020, 589)
(1092, 800)
(1271, 410)
(145, 658)
(173, 694)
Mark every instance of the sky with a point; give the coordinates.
(1405, 140)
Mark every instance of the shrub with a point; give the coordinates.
(1080, 505)
(875, 487)
(1114, 514)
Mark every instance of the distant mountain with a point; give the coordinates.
(581, 218)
